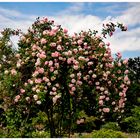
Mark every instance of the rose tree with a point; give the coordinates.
(62, 75)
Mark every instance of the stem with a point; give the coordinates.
(69, 114)
(52, 123)
(62, 112)
(49, 121)
(50, 116)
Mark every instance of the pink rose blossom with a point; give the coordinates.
(18, 65)
(51, 69)
(65, 31)
(56, 65)
(35, 97)
(42, 56)
(101, 44)
(106, 92)
(31, 82)
(45, 32)
(102, 88)
(97, 87)
(45, 79)
(75, 51)
(33, 89)
(70, 85)
(128, 82)
(59, 48)
(72, 75)
(126, 78)
(107, 99)
(43, 41)
(50, 63)
(37, 90)
(109, 82)
(33, 54)
(69, 53)
(17, 97)
(97, 83)
(106, 55)
(101, 97)
(55, 54)
(46, 62)
(73, 80)
(125, 61)
(54, 88)
(75, 67)
(38, 102)
(69, 61)
(126, 72)
(34, 47)
(119, 55)
(56, 72)
(79, 83)
(79, 74)
(41, 70)
(119, 64)
(49, 83)
(94, 76)
(73, 88)
(55, 98)
(106, 110)
(23, 38)
(53, 44)
(79, 42)
(16, 100)
(100, 102)
(25, 84)
(113, 103)
(22, 91)
(35, 73)
(121, 94)
(108, 44)
(38, 80)
(38, 62)
(52, 33)
(17, 55)
(57, 85)
(90, 63)
(13, 72)
(27, 98)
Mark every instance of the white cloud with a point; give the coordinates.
(74, 20)
(128, 41)
(76, 23)
(14, 19)
(130, 16)
(8, 12)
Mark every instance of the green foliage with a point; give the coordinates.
(132, 123)
(108, 133)
(112, 125)
(40, 134)
(40, 121)
(133, 94)
(90, 122)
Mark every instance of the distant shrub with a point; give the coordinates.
(132, 123)
(104, 133)
(112, 125)
(40, 134)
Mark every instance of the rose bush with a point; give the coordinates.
(62, 75)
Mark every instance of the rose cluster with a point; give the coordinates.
(50, 61)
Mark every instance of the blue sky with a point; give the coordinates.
(78, 16)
